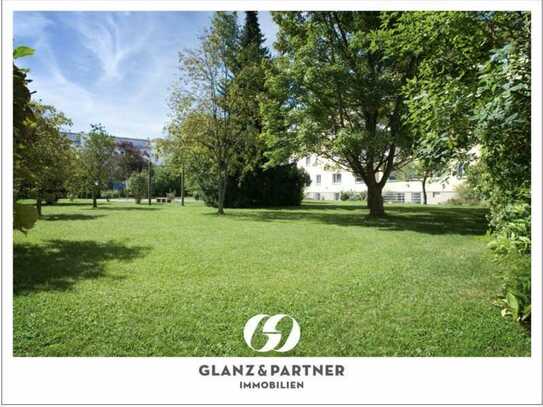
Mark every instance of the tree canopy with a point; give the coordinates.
(335, 90)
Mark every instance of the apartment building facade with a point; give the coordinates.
(328, 182)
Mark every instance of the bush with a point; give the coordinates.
(24, 217)
(277, 186)
(353, 196)
(51, 198)
(137, 185)
(515, 298)
(111, 194)
(465, 195)
(511, 225)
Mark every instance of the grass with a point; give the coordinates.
(133, 280)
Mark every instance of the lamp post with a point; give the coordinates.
(94, 193)
(149, 173)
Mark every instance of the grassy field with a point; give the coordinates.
(134, 280)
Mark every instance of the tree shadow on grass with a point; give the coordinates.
(421, 219)
(56, 265)
(126, 208)
(69, 216)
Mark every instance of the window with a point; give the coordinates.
(336, 178)
(396, 197)
(416, 197)
(434, 194)
(318, 179)
(337, 196)
(307, 161)
(317, 196)
(358, 180)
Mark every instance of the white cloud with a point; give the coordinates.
(31, 25)
(113, 38)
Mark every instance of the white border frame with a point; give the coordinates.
(176, 380)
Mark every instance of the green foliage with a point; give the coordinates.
(51, 156)
(511, 229)
(22, 51)
(277, 186)
(335, 90)
(24, 217)
(96, 160)
(503, 119)
(515, 299)
(472, 88)
(127, 160)
(111, 194)
(165, 180)
(449, 47)
(466, 194)
(23, 123)
(138, 185)
(204, 124)
(352, 196)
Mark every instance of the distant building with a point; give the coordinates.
(328, 182)
(145, 147)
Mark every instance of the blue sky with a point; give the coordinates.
(113, 68)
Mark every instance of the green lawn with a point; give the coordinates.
(134, 280)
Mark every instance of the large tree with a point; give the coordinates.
(205, 106)
(96, 158)
(473, 89)
(128, 159)
(23, 138)
(335, 90)
(51, 154)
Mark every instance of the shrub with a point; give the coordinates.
(511, 226)
(110, 194)
(24, 217)
(345, 196)
(277, 186)
(515, 297)
(351, 196)
(50, 198)
(137, 185)
(465, 195)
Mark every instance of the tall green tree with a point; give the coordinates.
(128, 159)
(335, 90)
(96, 158)
(23, 137)
(176, 154)
(205, 106)
(472, 88)
(51, 154)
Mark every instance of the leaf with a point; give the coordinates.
(24, 217)
(22, 51)
(513, 304)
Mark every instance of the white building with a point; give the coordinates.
(328, 182)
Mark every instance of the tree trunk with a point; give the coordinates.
(183, 186)
(94, 203)
(222, 194)
(38, 205)
(424, 197)
(375, 200)
(149, 181)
